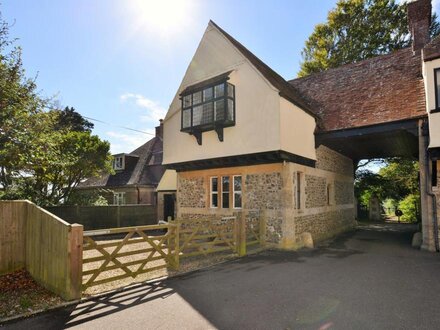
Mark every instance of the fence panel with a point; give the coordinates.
(111, 216)
(118, 253)
(12, 235)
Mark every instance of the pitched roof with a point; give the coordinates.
(382, 89)
(143, 166)
(432, 50)
(286, 90)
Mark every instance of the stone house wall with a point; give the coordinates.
(271, 189)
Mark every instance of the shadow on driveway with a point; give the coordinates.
(367, 279)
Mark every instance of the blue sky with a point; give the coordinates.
(122, 61)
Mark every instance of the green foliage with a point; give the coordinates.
(410, 207)
(89, 198)
(43, 155)
(356, 30)
(397, 184)
(390, 206)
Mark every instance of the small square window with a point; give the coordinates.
(186, 118)
(219, 111)
(197, 115)
(119, 198)
(219, 90)
(197, 98)
(207, 94)
(118, 163)
(187, 101)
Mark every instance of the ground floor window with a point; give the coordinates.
(225, 192)
(220, 192)
(119, 198)
(298, 190)
(214, 192)
(237, 192)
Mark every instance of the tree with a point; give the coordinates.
(397, 183)
(43, 154)
(72, 120)
(356, 30)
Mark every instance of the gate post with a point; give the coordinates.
(241, 234)
(75, 261)
(176, 246)
(263, 219)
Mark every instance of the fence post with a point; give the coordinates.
(118, 216)
(241, 235)
(75, 261)
(263, 220)
(176, 246)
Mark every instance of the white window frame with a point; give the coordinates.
(240, 192)
(211, 193)
(226, 192)
(118, 159)
(119, 198)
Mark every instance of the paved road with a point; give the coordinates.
(369, 279)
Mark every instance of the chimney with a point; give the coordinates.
(159, 129)
(419, 21)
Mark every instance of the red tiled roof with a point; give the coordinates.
(382, 89)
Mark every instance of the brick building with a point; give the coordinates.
(244, 141)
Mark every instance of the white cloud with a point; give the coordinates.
(120, 142)
(155, 110)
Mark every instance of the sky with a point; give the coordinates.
(122, 61)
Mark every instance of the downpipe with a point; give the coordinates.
(434, 202)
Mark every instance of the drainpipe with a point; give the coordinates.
(428, 184)
(434, 203)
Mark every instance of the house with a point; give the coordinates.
(244, 141)
(136, 177)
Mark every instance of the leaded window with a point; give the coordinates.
(209, 107)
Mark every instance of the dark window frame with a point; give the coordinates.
(215, 123)
(437, 100)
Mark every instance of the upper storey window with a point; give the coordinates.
(118, 162)
(209, 107)
(437, 87)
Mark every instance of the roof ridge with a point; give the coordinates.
(380, 56)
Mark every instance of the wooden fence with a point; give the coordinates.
(13, 217)
(49, 248)
(112, 253)
(109, 216)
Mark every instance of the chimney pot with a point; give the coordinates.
(419, 21)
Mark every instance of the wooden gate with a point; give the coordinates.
(205, 236)
(118, 253)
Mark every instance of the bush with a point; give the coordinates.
(410, 207)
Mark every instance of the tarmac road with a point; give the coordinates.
(368, 279)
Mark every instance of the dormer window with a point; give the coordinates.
(118, 162)
(208, 107)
